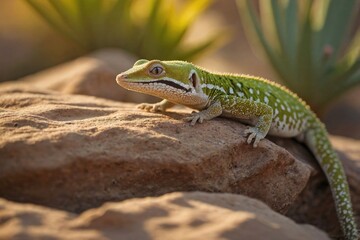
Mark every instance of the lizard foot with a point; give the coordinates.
(195, 117)
(149, 107)
(254, 133)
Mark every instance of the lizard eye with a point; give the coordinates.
(193, 79)
(157, 70)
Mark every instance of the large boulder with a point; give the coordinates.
(174, 216)
(75, 152)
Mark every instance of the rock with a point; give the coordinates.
(92, 75)
(195, 215)
(315, 204)
(76, 152)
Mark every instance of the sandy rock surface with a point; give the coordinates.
(195, 215)
(75, 152)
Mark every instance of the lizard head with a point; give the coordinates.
(176, 81)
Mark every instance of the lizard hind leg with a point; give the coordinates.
(241, 109)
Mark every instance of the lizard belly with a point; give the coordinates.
(283, 130)
(277, 128)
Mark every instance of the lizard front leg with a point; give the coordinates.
(156, 107)
(214, 110)
(245, 109)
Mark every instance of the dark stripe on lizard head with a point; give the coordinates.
(169, 83)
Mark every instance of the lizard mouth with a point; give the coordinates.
(169, 83)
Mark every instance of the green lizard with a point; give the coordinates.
(267, 107)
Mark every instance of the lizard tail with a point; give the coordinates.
(318, 142)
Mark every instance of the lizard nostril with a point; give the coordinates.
(121, 77)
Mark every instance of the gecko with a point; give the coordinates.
(266, 107)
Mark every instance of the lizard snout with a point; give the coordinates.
(120, 78)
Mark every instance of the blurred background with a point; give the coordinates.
(28, 43)
(312, 47)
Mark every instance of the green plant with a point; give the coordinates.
(147, 28)
(313, 45)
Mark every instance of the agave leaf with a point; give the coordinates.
(182, 23)
(191, 11)
(192, 52)
(149, 29)
(353, 51)
(272, 16)
(66, 10)
(88, 12)
(305, 42)
(354, 79)
(341, 87)
(149, 35)
(249, 16)
(338, 18)
(305, 75)
(269, 18)
(292, 28)
(164, 26)
(286, 25)
(278, 16)
(267, 23)
(347, 65)
(45, 11)
(343, 71)
(120, 24)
